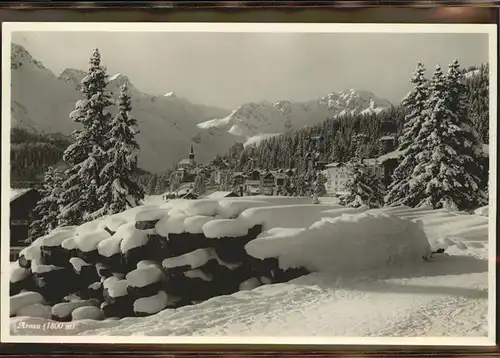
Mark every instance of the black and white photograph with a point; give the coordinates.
(249, 183)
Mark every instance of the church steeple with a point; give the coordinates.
(191, 156)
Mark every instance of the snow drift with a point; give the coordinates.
(176, 254)
(345, 244)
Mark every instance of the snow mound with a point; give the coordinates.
(87, 312)
(250, 284)
(17, 273)
(171, 224)
(484, 211)
(89, 241)
(32, 252)
(194, 259)
(24, 299)
(56, 237)
(40, 269)
(90, 226)
(225, 228)
(111, 245)
(149, 214)
(64, 309)
(113, 222)
(233, 208)
(35, 310)
(194, 224)
(345, 244)
(115, 286)
(286, 216)
(144, 276)
(78, 263)
(152, 304)
(205, 207)
(133, 238)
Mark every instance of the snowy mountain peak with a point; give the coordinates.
(72, 75)
(257, 119)
(170, 95)
(20, 58)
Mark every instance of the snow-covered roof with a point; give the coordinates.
(391, 155)
(336, 164)
(387, 137)
(16, 193)
(185, 161)
(219, 194)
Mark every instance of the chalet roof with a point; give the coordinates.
(219, 194)
(185, 161)
(383, 158)
(16, 193)
(336, 165)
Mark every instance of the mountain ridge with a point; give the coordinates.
(168, 123)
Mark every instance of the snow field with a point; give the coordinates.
(323, 237)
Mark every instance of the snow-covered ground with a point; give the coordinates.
(446, 296)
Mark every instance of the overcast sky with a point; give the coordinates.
(228, 69)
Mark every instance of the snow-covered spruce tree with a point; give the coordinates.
(448, 173)
(48, 208)
(285, 189)
(319, 185)
(87, 155)
(363, 187)
(415, 104)
(199, 184)
(118, 191)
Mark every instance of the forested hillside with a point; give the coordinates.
(32, 153)
(340, 139)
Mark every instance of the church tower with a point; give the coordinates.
(191, 157)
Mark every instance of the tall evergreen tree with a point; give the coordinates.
(448, 173)
(415, 104)
(199, 183)
(416, 108)
(478, 93)
(362, 187)
(118, 191)
(87, 155)
(319, 185)
(47, 209)
(285, 189)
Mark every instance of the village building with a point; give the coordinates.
(253, 183)
(222, 194)
(186, 168)
(22, 204)
(336, 178)
(222, 176)
(383, 166)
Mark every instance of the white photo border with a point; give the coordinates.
(9, 27)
